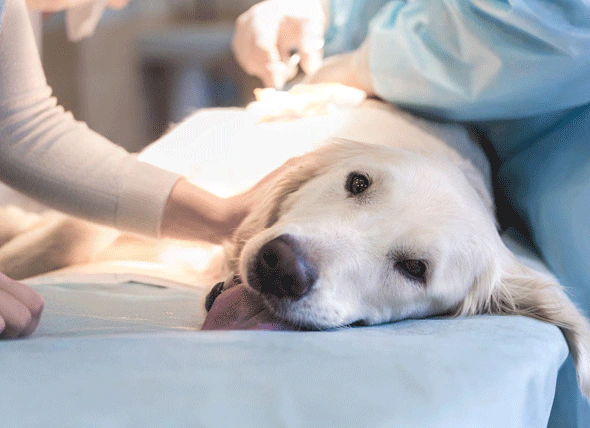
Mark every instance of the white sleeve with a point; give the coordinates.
(47, 154)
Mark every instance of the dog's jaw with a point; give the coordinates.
(303, 313)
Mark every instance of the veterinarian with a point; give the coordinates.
(47, 154)
(519, 71)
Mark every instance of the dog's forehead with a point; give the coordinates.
(421, 179)
(395, 161)
(414, 198)
(411, 206)
(379, 156)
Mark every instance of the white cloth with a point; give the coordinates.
(47, 154)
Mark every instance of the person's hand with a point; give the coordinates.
(56, 5)
(192, 213)
(269, 33)
(20, 309)
(241, 308)
(350, 69)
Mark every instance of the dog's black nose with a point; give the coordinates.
(281, 269)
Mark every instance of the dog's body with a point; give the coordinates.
(386, 221)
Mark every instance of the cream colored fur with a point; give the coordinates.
(445, 216)
(425, 202)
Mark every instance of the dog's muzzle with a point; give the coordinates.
(281, 269)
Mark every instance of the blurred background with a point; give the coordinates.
(147, 66)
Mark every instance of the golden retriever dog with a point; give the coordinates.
(384, 219)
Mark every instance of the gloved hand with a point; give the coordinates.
(267, 35)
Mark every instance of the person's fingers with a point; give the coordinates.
(261, 48)
(300, 42)
(311, 45)
(2, 325)
(257, 60)
(16, 296)
(254, 194)
(261, 59)
(30, 329)
(27, 296)
(335, 69)
(288, 38)
(16, 315)
(279, 75)
(35, 319)
(311, 61)
(266, 57)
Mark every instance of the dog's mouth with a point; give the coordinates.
(231, 281)
(250, 312)
(277, 307)
(271, 302)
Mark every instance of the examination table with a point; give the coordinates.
(133, 359)
(131, 355)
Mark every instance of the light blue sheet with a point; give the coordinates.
(139, 366)
(129, 356)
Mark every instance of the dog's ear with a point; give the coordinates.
(519, 290)
(480, 184)
(271, 196)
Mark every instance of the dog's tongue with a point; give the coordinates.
(241, 308)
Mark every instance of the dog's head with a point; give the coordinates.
(367, 234)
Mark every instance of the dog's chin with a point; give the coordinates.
(304, 316)
(281, 308)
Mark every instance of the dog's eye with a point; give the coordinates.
(357, 183)
(413, 269)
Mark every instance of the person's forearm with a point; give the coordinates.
(48, 155)
(195, 214)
